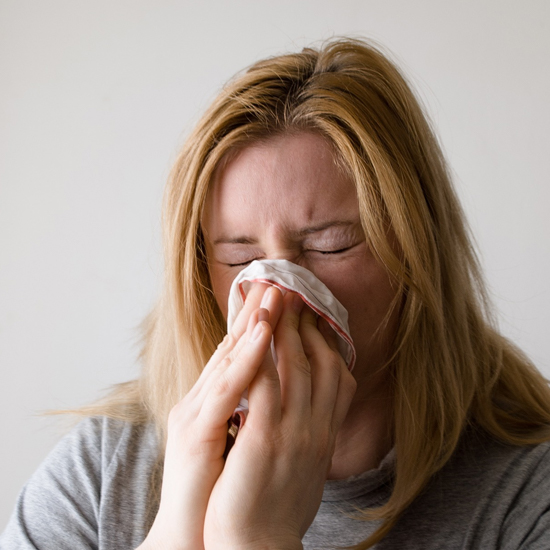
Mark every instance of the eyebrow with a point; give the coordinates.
(301, 233)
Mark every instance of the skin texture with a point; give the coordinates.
(283, 198)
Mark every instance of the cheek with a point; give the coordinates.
(221, 279)
(365, 290)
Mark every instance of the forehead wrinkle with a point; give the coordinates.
(294, 234)
(265, 181)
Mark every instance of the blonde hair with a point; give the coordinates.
(450, 368)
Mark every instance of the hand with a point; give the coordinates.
(271, 486)
(197, 426)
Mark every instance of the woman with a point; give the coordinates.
(439, 439)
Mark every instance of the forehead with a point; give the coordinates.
(287, 180)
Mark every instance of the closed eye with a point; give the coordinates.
(242, 264)
(332, 251)
(324, 252)
(338, 251)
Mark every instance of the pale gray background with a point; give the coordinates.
(97, 95)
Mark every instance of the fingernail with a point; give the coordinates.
(266, 297)
(258, 329)
(263, 315)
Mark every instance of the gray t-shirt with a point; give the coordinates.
(93, 491)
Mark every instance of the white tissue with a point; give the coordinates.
(291, 277)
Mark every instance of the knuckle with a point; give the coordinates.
(230, 341)
(301, 363)
(222, 385)
(223, 344)
(225, 363)
(350, 384)
(271, 377)
(335, 364)
(308, 317)
(290, 321)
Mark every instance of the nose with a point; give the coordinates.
(289, 253)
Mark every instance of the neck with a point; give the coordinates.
(365, 437)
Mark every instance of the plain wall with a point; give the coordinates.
(96, 98)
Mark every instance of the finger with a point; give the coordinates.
(264, 393)
(215, 368)
(267, 297)
(272, 300)
(329, 334)
(346, 392)
(308, 328)
(226, 389)
(272, 305)
(231, 340)
(292, 364)
(251, 303)
(326, 367)
(264, 396)
(225, 347)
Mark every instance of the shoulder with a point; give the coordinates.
(105, 431)
(94, 446)
(482, 457)
(490, 495)
(520, 495)
(104, 439)
(510, 487)
(64, 502)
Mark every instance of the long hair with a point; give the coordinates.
(450, 367)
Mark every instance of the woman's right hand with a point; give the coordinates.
(272, 483)
(197, 425)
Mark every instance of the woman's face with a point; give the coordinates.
(286, 198)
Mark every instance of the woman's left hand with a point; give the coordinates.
(271, 486)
